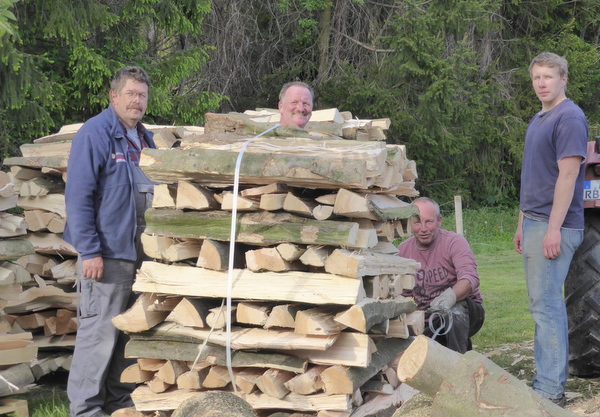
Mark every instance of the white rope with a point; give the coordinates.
(236, 186)
(441, 316)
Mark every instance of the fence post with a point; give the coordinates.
(458, 214)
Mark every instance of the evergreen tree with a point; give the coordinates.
(57, 64)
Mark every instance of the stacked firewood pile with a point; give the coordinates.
(38, 269)
(37, 306)
(317, 319)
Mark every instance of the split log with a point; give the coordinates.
(155, 245)
(51, 202)
(271, 202)
(275, 188)
(272, 382)
(193, 378)
(345, 380)
(470, 384)
(260, 228)
(349, 349)
(158, 349)
(36, 299)
(135, 375)
(171, 370)
(58, 163)
(283, 315)
(194, 197)
(307, 383)
(353, 264)
(165, 196)
(139, 318)
(50, 243)
(317, 321)
(14, 248)
(188, 249)
(12, 225)
(301, 287)
(315, 256)
(217, 377)
(252, 313)
(370, 312)
(190, 312)
(242, 338)
(267, 259)
(290, 251)
(245, 380)
(39, 187)
(242, 203)
(215, 255)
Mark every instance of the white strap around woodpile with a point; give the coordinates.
(236, 186)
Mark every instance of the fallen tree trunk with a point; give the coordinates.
(469, 385)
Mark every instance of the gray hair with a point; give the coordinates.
(295, 84)
(429, 200)
(125, 73)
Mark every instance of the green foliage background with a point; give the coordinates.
(450, 74)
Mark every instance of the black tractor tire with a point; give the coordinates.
(582, 297)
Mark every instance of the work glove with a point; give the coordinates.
(445, 300)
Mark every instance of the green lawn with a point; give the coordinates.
(490, 232)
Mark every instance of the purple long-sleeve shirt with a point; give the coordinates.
(448, 260)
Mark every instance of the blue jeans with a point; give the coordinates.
(545, 279)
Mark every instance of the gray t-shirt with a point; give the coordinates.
(551, 136)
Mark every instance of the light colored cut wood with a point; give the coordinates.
(180, 251)
(307, 383)
(246, 379)
(155, 246)
(275, 188)
(171, 370)
(165, 196)
(271, 202)
(272, 382)
(369, 312)
(283, 315)
(214, 255)
(133, 374)
(242, 203)
(283, 286)
(138, 318)
(150, 364)
(195, 197)
(266, 259)
(252, 313)
(315, 256)
(300, 206)
(190, 312)
(353, 264)
(290, 252)
(317, 321)
(217, 377)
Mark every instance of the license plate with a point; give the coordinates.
(591, 190)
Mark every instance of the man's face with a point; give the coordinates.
(549, 86)
(130, 102)
(296, 107)
(426, 226)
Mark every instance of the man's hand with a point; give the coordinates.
(447, 299)
(551, 243)
(93, 268)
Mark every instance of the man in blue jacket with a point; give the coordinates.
(106, 197)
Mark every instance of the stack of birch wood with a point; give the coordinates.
(317, 319)
(37, 305)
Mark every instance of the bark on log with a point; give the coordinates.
(343, 380)
(261, 228)
(159, 349)
(308, 164)
(469, 385)
(370, 312)
(14, 248)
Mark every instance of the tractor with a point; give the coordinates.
(582, 286)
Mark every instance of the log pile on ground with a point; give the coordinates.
(317, 319)
(37, 305)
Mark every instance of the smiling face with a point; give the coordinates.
(549, 85)
(296, 107)
(426, 225)
(130, 102)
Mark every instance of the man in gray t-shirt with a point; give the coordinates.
(551, 219)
